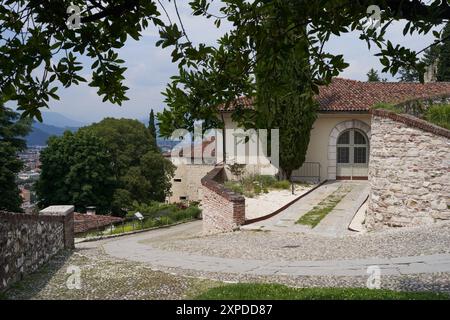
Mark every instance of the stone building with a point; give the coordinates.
(406, 160)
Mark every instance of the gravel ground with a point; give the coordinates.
(104, 278)
(415, 241)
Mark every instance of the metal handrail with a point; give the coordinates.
(309, 170)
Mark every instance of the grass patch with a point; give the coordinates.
(314, 216)
(167, 218)
(247, 291)
(439, 115)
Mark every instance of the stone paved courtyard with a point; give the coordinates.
(412, 241)
(169, 263)
(103, 277)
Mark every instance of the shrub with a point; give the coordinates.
(284, 184)
(256, 184)
(266, 181)
(153, 209)
(257, 188)
(439, 115)
(235, 187)
(237, 169)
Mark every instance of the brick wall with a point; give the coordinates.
(222, 209)
(28, 240)
(409, 172)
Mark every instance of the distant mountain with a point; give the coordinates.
(55, 124)
(41, 132)
(58, 120)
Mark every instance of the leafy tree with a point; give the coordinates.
(11, 132)
(408, 75)
(158, 171)
(431, 55)
(131, 145)
(210, 76)
(284, 98)
(127, 141)
(35, 38)
(76, 169)
(443, 70)
(372, 76)
(152, 128)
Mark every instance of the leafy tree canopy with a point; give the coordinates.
(372, 76)
(142, 173)
(12, 131)
(39, 53)
(443, 72)
(76, 169)
(127, 141)
(210, 76)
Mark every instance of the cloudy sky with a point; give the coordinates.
(150, 69)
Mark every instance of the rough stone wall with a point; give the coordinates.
(409, 172)
(222, 209)
(28, 241)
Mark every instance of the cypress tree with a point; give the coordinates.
(152, 128)
(443, 73)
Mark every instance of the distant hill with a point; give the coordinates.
(41, 132)
(55, 124)
(58, 120)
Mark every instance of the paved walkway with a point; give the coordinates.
(138, 248)
(334, 224)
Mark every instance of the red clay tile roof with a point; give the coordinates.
(352, 95)
(86, 222)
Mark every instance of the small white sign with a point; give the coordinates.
(139, 215)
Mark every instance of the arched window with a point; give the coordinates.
(352, 147)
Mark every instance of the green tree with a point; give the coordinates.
(408, 75)
(76, 169)
(152, 128)
(130, 144)
(34, 34)
(372, 76)
(431, 55)
(11, 132)
(159, 171)
(151, 180)
(284, 98)
(127, 141)
(443, 70)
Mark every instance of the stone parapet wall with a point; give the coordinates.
(409, 171)
(222, 209)
(27, 241)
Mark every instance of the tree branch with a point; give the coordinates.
(113, 10)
